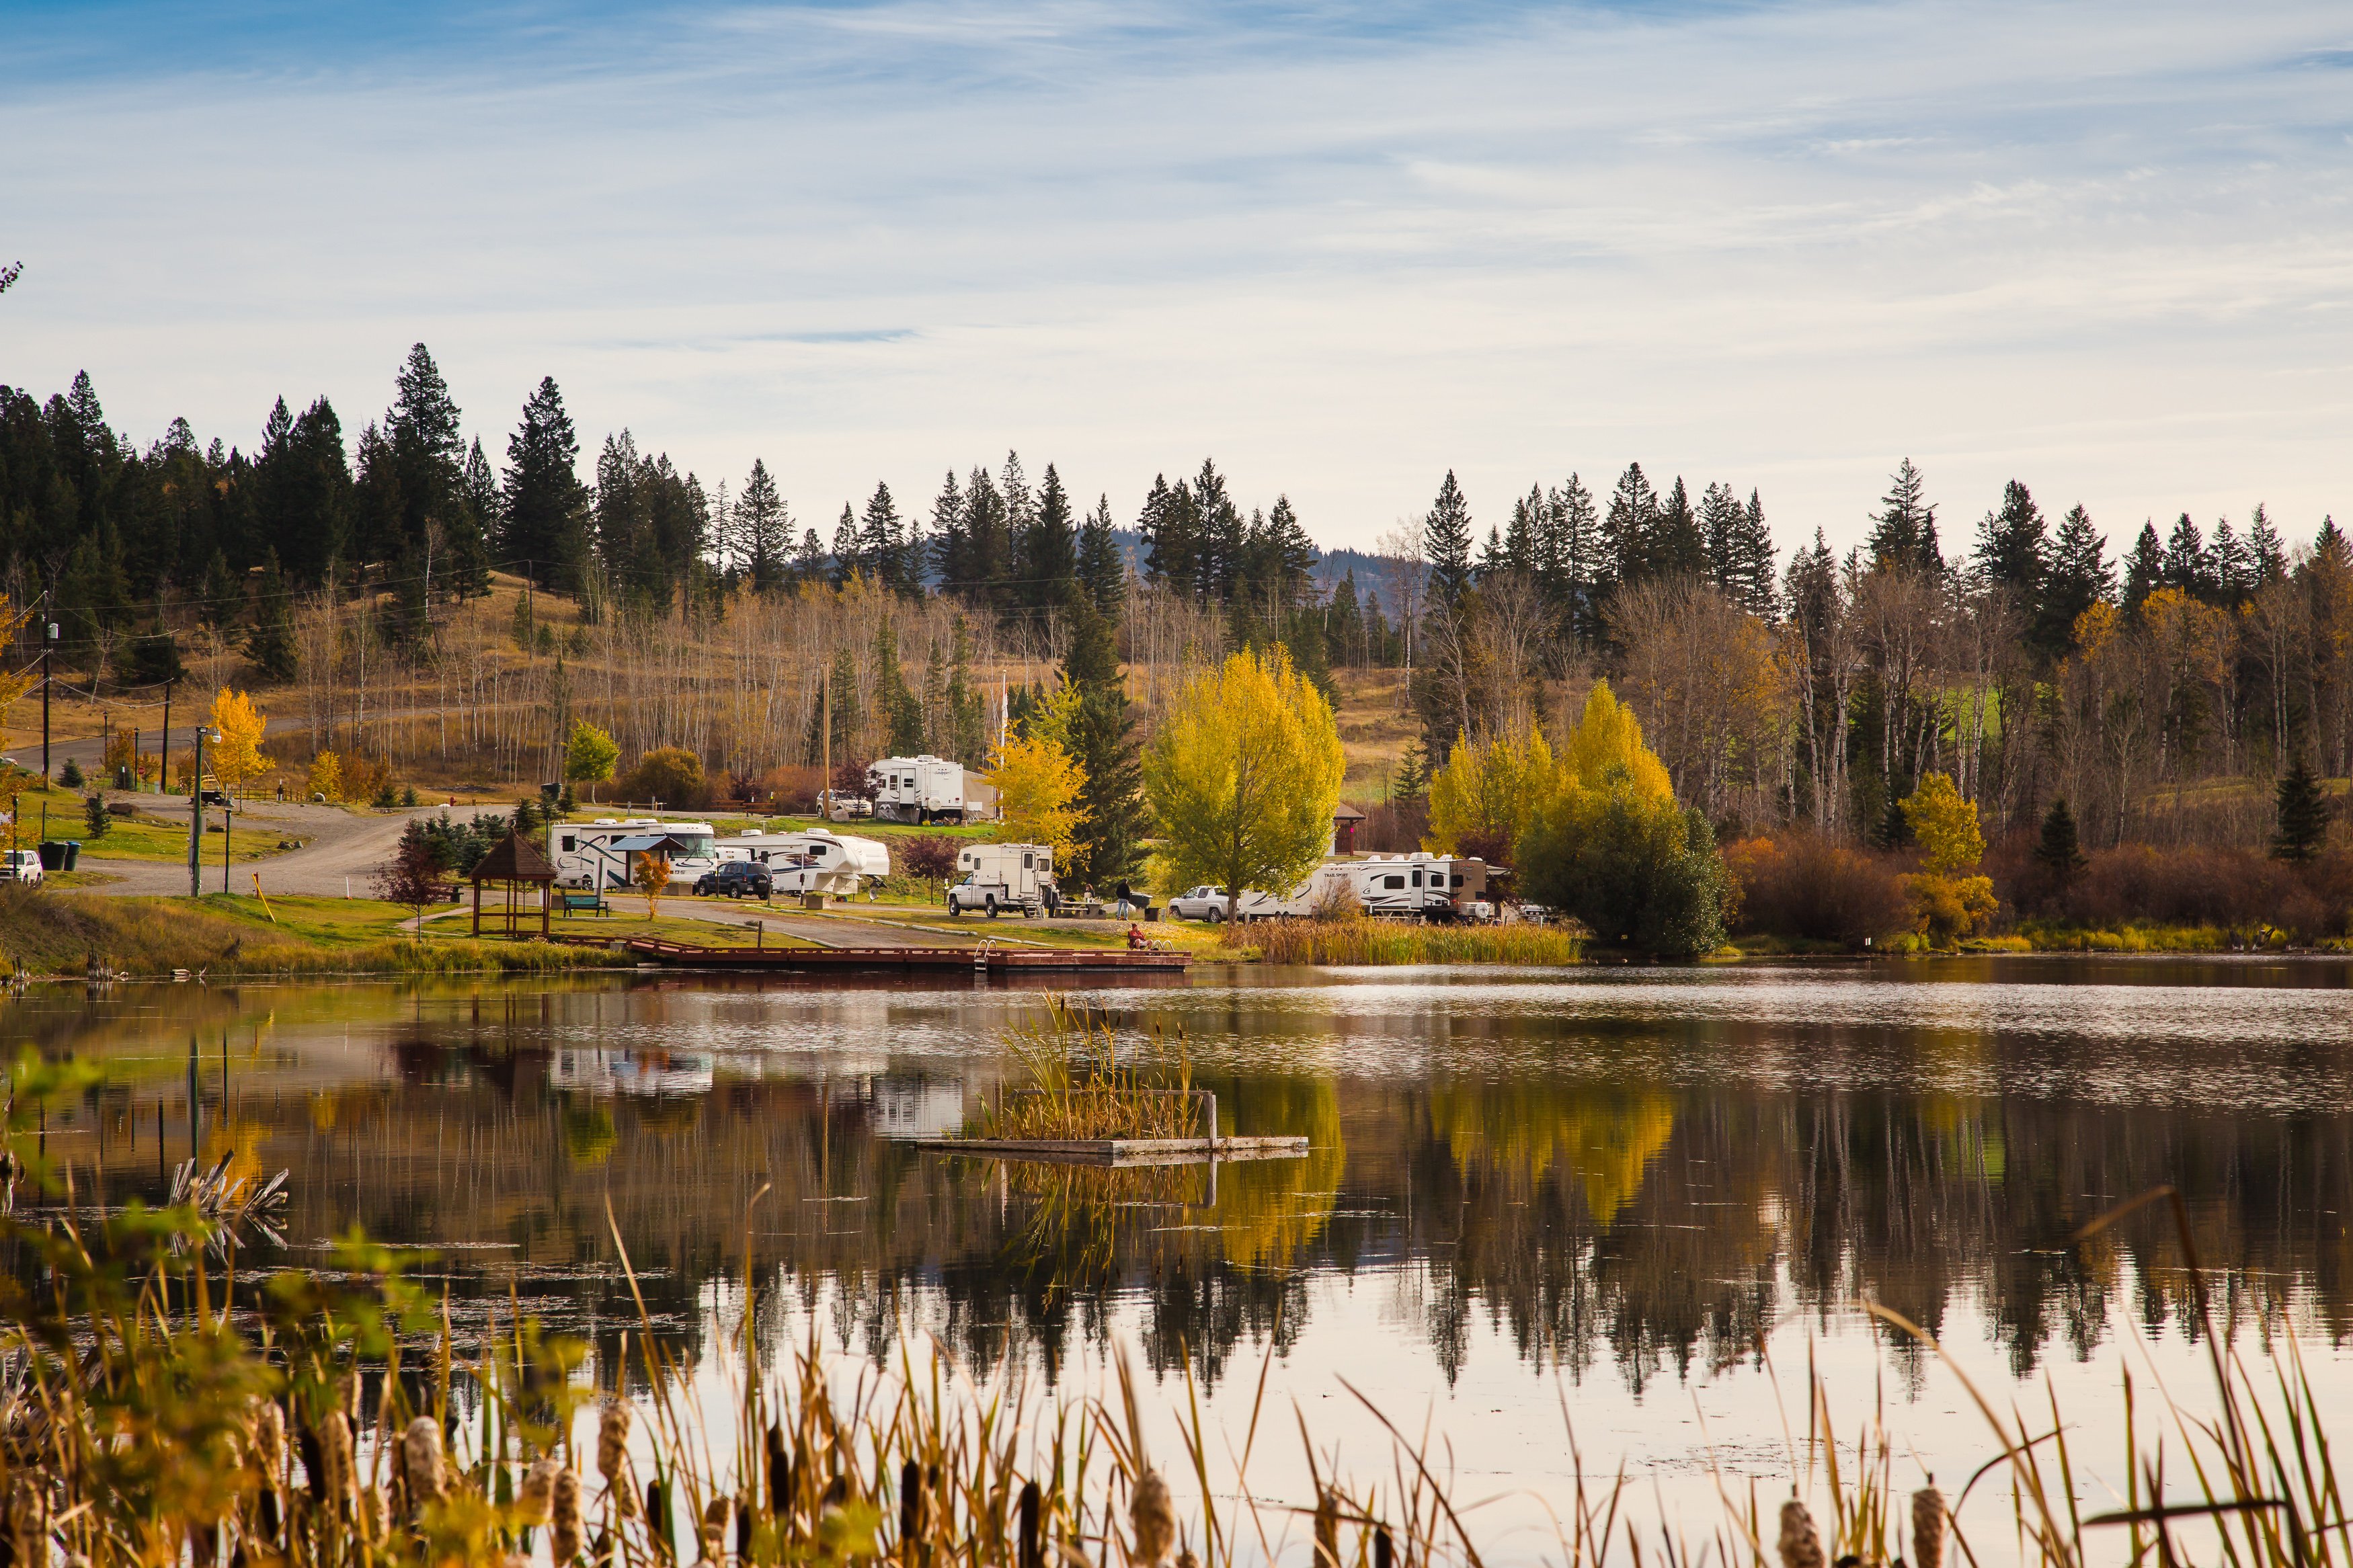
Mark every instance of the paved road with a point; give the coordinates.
(338, 845)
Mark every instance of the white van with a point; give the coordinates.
(20, 866)
(603, 854)
(1004, 877)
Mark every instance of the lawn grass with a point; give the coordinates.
(154, 834)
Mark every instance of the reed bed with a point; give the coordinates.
(1360, 939)
(1078, 1087)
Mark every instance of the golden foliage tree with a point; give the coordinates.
(1038, 787)
(1243, 777)
(236, 756)
(1947, 902)
(327, 776)
(1483, 795)
(650, 872)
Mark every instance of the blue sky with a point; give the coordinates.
(2105, 248)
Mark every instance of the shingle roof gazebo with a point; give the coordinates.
(512, 865)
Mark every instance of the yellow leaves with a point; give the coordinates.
(1036, 787)
(238, 755)
(1946, 909)
(1944, 824)
(1605, 749)
(1483, 797)
(2096, 627)
(1243, 777)
(1053, 718)
(327, 775)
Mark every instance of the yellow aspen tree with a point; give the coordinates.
(1481, 798)
(1243, 777)
(327, 776)
(1038, 787)
(236, 756)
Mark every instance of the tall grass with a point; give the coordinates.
(1077, 1087)
(1365, 940)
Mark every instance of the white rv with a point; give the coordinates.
(1431, 886)
(602, 854)
(1004, 877)
(816, 861)
(917, 789)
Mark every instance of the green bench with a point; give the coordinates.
(582, 903)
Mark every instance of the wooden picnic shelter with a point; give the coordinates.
(512, 865)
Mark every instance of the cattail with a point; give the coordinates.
(712, 1538)
(335, 1460)
(1033, 1552)
(1383, 1549)
(536, 1500)
(347, 1395)
(420, 1464)
(563, 1516)
(371, 1514)
(1327, 1530)
(267, 1434)
(613, 1455)
(1929, 1527)
(1800, 1547)
(1151, 1521)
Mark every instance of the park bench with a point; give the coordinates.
(589, 903)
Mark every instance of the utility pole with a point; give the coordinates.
(825, 732)
(228, 825)
(48, 645)
(164, 746)
(197, 817)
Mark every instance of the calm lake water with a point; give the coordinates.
(1632, 1204)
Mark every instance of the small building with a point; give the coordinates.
(1344, 830)
(512, 866)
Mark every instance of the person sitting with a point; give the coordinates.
(1135, 942)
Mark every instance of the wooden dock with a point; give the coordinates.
(1119, 1150)
(982, 960)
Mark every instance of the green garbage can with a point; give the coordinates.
(73, 854)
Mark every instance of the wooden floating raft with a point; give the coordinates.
(971, 959)
(1119, 1150)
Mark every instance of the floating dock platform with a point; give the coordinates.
(1120, 1151)
(982, 960)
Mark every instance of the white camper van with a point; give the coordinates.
(602, 854)
(917, 789)
(1004, 877)
(816, 861)
(1430, 887)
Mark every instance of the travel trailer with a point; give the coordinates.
(603, 854)
(816, 861)
(1004, 877)
(918, 789)
(1431, 886)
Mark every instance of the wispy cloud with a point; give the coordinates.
(1344, 247)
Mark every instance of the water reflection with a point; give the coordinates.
(1641, 1174)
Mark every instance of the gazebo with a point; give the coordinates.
(512, 865)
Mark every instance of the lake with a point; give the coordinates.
(1606, 1213)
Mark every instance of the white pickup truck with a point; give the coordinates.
(999, 877)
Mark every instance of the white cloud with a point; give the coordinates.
(2103, 248)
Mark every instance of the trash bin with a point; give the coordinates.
(1151, 914)
(73, 853)
(53, 855)
(122, 775)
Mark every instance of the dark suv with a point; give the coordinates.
(736, 879)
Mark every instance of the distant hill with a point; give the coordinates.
(1372, 572)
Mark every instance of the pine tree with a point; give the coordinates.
(2012, 546)
(221, 598)
(2302, 815)
(882, 541)
(902, 711)
(1576, 567)
(847, 561)
(1103, 574)
(469, 558)
(428, 460)
(1903, 530)
(1626, 534)
(544, 530)
(270, 640)
(2080, 577)
(2264, 544)
(1719, 523)
(1446, 542)
(1346, 620)
(2234, 566)
(1291, 555)
(2058, 852)
(1172, 545)
(951, 546)
(2144, 568)
(988, 533)
(2187, 566)
(963, 726)
(1108, 848)
(1753, 561)
(1050, 548)
(764, 529)
(1677, 552)
(1516, 549)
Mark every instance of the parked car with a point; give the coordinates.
(736, 879)
(1202, 903)
(20, 866)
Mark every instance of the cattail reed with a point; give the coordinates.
(420, 1465)
(564, 1515)
(1151, 1520)
(1800, 1547)
(613, 1455)
(1929, 1527)
(711, 1541)
(536, 1501)
(335, 1462)
(1327, 1529)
